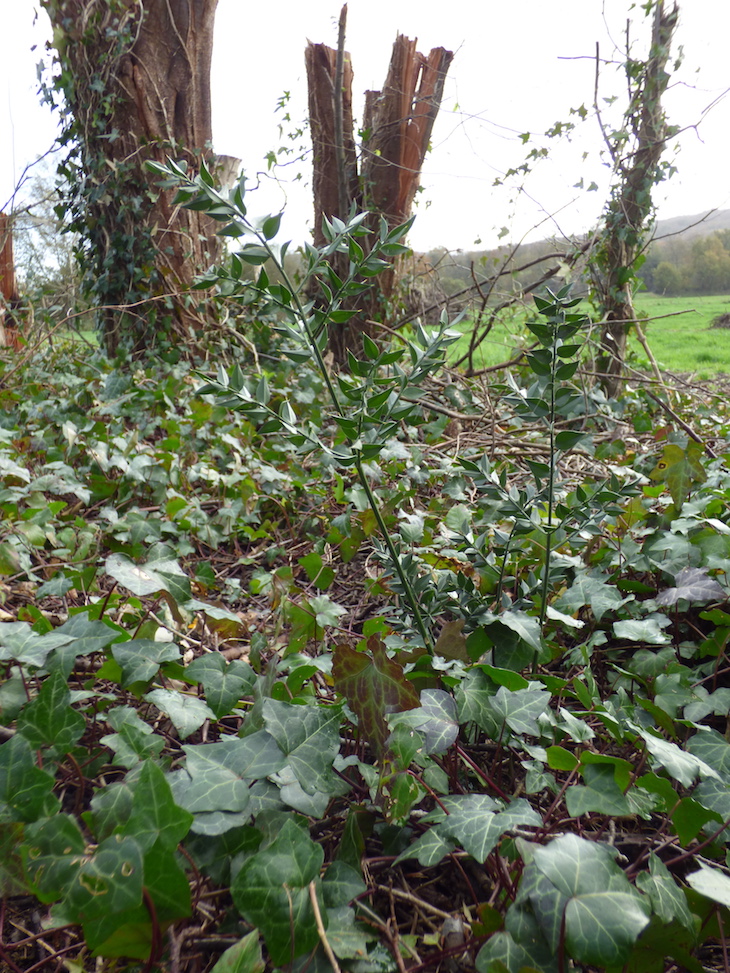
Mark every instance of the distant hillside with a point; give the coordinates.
(694, 226)
(688, 255)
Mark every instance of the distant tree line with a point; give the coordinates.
(678, 265)
(674, 265)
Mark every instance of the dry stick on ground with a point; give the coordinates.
(414, 900)
(680, 422)
(320, 928)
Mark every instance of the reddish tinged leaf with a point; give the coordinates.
(373, 685)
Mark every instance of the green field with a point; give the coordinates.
(678, 331)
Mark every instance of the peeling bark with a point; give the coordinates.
(8, 286)
(397, 124)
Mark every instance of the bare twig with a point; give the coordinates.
(681, 423)
(414, 900)
(320, 928)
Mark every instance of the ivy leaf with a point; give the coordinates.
(110, 882)
(224, 683)
(587, 590)
(84, 637)
(643, 630)
(49, 720)
(712, 883)
(155, 815)
(243, 957)
(213, 786)
(478, 829)
(374, 686)
(140, 580)
(679, 469)
(19, 642)
(520, 709)
(341, 884)
(667, 899)
(680, 764)
(603, 914)
(525, 626)
(473, 697)
(429, 849)
(695, 585)
(601, 793)
(349, 939)
(712, 748)
(140, 659)
(134, 743)
(128, 931)
(309, 736)
(52, 853)
(691, 815)
(501, 953)
(435, 720)
(271, 891)
(187, 713)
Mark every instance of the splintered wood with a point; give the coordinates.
(320, 62)
(397, 129)
(399, 120)
(397, 126)
(8, 288)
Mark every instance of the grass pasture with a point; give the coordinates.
(678, 330)
(685, 342)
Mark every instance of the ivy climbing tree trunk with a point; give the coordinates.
(398, 123)
(636, 153)
(135, 84)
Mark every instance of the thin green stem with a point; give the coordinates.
(372, 500)
(551, 481)
(410, 594)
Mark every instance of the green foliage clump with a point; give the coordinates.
(278, 664)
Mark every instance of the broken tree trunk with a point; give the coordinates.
(8, 287)
(321, 70)
(398, 123)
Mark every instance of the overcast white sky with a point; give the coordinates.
(519, 67)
